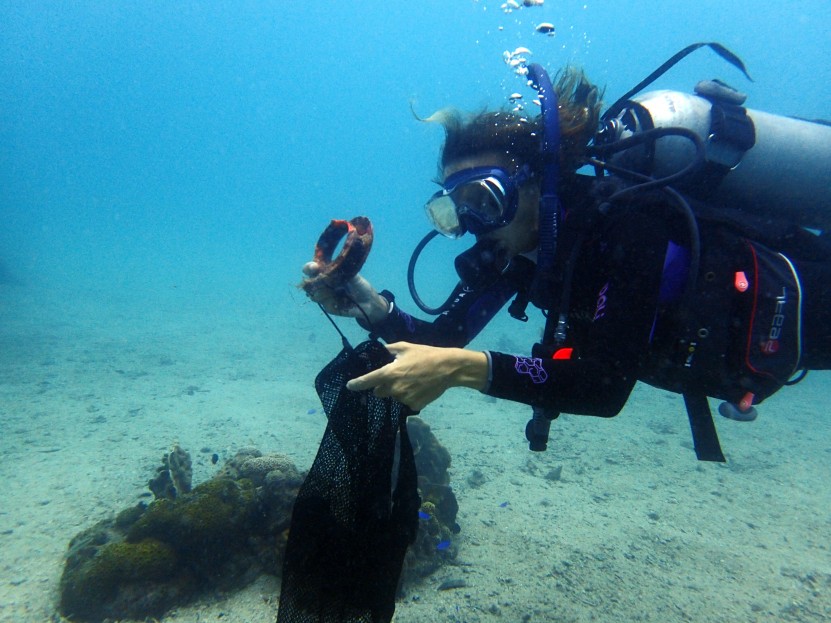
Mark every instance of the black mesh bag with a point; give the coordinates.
(349, 530)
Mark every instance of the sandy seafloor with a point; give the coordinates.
(94, 388)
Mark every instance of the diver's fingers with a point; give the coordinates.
(380, 388)
(311, 269)
(398, 348)
(361, 383)
(319, 293)
(370, 380)
(382, 391)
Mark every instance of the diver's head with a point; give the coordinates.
(493, 196)
(491, 165)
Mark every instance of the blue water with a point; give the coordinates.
(155, 144)
(165, 170)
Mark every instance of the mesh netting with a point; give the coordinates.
(349, 530)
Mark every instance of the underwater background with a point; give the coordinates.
(165, 171)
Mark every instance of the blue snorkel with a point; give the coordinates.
(543, 289)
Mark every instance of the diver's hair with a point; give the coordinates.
(519, 136)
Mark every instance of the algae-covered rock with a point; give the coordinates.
(149, 558)
(432, 458)
(223, 533)
(174, 476)
(272, 469)
(233, 466)
(437, 516)
(129, 516)
(432, 464)
(216, 510)
(122, 579)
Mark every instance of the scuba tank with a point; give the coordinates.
(767, 165)
(709, 146)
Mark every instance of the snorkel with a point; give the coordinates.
(542, 290)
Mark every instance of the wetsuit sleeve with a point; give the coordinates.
(623, 275)
(469, 312)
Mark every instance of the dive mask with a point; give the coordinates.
(478, 200)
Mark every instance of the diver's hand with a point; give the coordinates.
(353, 299)
(419, 374)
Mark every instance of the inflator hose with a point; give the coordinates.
(433, 311)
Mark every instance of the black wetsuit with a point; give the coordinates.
(628, 321)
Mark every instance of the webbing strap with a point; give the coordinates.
(705, 437)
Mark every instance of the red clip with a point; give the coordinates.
(740, 281)
(562, 353)
(746, 402)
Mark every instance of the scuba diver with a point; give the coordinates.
(642, 273)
